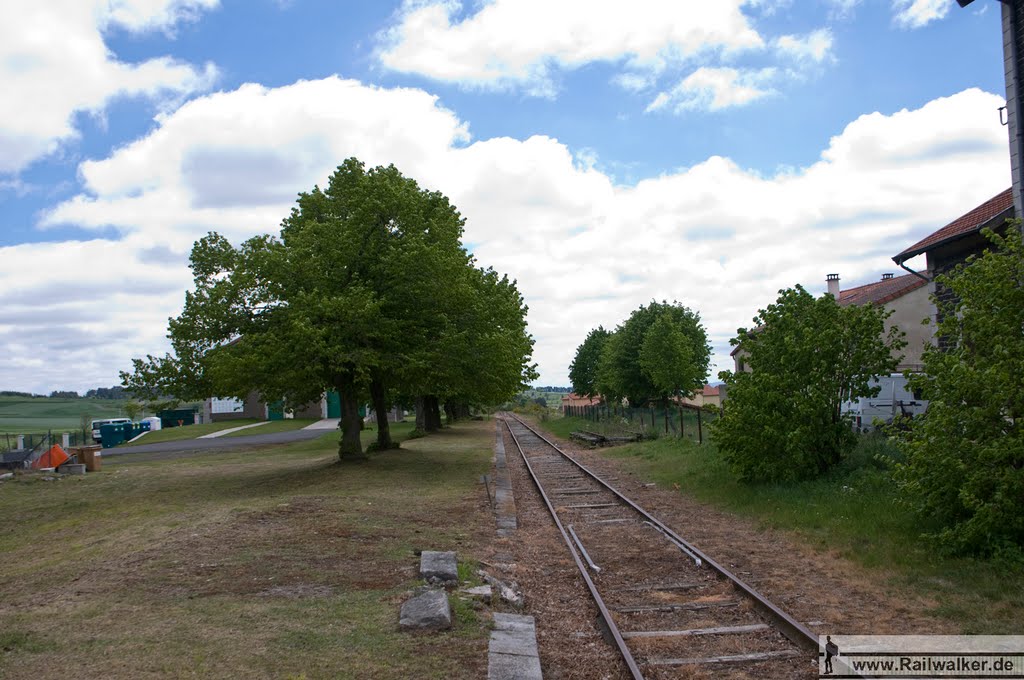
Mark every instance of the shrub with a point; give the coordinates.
(965, 456)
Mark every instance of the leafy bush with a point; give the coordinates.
(782, 421)
(965, 456)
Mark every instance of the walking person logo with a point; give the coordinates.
(831, 649)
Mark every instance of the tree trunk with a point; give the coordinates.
(433, 409)
(449, 412)
(349, 446)
(380, 408)
(421, 413)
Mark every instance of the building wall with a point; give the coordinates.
(253, 408)
(700, 399)
(315, 409)
(908, 311)
(1013, 64)
(741, 362)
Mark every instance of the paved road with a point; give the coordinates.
(125, 454)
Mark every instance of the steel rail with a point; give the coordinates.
(797, 633)
(616, 635)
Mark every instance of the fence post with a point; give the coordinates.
(682, 432)
(666, 418)
(700, 429)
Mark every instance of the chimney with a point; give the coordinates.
(833, 285)
(886, 277)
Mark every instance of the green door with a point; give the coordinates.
(333, 404)
(275, 411)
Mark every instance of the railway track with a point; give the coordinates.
(669, 608)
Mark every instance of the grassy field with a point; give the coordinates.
(271, 563)
(853, 511)
(21, 415)
(554, 399)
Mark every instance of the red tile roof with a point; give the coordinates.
(882, 291)
(711, 390)
(971, 222)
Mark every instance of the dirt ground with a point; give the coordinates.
(821, 589)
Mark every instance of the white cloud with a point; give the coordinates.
(521, 43)
(918, 13)
(714, 89)
(54, 63)
(816, 46)
(585, 251)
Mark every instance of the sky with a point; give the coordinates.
(604, 154)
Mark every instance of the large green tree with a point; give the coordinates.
(675, 361)
(965, 456)
(355, 295)
(583, 369)
(783, 420)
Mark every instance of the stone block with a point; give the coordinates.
(73, 469)
(482, 593)
(429, 611)
(513, 667)
(438, 566)
(503, 621)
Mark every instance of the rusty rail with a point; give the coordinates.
(609, 621)
(795, 631)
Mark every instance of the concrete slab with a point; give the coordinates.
(429, 611)
(520, 642)
(512, 667)
(438, 566)
(482, 593)
(72, 469)
(512, 652)
(503, 621)
(221, 433)
(325, 424)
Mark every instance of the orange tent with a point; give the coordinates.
(52, 458)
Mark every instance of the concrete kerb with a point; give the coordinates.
(504, 502)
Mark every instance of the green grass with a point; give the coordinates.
(854, 511)
(277, 562)
(21, 415)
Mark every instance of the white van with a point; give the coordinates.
(96, 424)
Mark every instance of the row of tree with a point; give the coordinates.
(98, 393)
(960, 465)
(659, 353)
(367, 291)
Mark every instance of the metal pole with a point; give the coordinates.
(700, 429)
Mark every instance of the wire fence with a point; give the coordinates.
(39, 440)
(683, 421)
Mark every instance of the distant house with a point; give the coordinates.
(573, 399)
(217, 409)
(906, 297)
(708, 395)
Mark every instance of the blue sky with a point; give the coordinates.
(706, 152)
